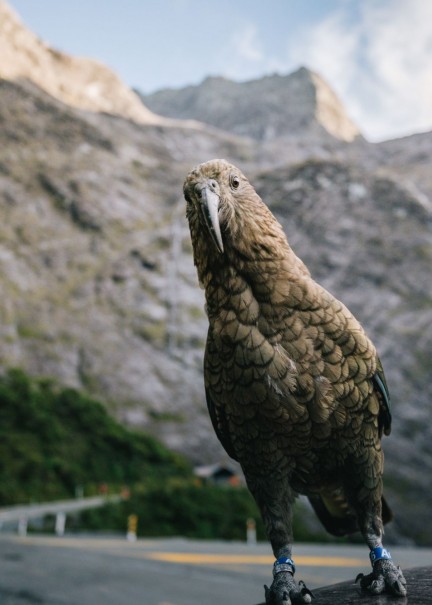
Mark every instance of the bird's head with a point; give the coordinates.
(223, 207)
(213, 191)
(229, 223)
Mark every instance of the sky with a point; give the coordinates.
(376, 54)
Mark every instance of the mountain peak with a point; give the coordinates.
(330, 112)
(80, 82)
(275, 106)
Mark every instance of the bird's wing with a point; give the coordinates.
(337, 363)
(351, 361)
(220, 425)
(212, 379)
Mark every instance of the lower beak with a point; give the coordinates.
(210, 206)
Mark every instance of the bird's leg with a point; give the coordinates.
(274, 498)
(385, 575)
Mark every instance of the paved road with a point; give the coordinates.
(101, 571)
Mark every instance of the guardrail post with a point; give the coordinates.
(60, 524)
(22, 527)
(251, 531)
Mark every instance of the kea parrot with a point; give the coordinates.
(295, 390)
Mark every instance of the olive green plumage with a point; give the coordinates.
(294, 386)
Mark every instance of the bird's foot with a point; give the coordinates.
(385, 577)
(286, 591)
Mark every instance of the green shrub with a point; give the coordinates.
(181, 508)
(185, 508)
(54, 439)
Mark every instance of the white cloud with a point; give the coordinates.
(376, 55)
(380, 64)
(247, 44)
(399, 53)
(244, 57)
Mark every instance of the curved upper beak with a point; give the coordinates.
(210, 205)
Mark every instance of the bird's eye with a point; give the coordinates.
(234, 182)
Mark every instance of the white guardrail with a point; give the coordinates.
(23, 513)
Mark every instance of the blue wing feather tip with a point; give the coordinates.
(386, 415)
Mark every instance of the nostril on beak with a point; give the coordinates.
(211, 184)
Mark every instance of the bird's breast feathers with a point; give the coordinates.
(293, 354)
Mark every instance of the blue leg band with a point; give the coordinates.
(379, 553)
(284, 564)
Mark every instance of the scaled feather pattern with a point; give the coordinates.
(294, 386)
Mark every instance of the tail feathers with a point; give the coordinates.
(334, 513)
(337, 516)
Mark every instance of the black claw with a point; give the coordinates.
(384, 578)
(399, 588)
(285, 590)
(401, 578)
(305, 590)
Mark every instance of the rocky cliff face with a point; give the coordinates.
(79, 82)
(274, 107)
(98, 285)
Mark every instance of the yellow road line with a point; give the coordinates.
(123, 549)
(223, 559)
